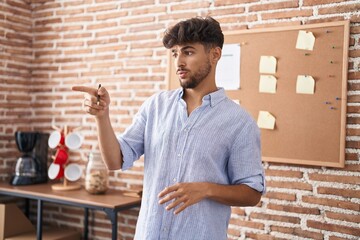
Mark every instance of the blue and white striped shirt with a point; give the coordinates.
(219, 143)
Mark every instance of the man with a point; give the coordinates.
(201, 150)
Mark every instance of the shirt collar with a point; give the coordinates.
(214, 97)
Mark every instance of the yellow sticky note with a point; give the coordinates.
(266, 120)
(305, 40)
(267, 64)
(305, 84)
(267, 84)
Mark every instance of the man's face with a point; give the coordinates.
(192, 64)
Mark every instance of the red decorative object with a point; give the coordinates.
(62, 141)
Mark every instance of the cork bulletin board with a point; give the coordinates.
(309, 128)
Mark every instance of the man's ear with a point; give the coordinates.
(216, 54)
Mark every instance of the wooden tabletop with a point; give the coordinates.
(111, 199)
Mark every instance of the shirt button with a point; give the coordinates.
(179, 155)
(174, 179)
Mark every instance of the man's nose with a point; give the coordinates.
(179, 61)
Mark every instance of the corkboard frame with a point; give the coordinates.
(309, 129)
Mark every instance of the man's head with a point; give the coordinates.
(205, 31)
(196, 47)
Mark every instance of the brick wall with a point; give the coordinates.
(47, 46)
(15, 76)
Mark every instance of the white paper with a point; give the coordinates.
(267, 84)
(266, 120)
(305, 84)
(237, 101)
(228, 67)
(305, 40)
(267, 64)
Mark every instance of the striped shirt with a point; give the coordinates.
(219, 142)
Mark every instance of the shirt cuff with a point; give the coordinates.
(255, 182)
(127, 154)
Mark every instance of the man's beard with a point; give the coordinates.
(198, 77)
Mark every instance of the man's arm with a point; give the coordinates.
(187, 194)
(109, 145)
(97, 103)
(234, 195)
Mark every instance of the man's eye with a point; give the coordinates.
(188, 53)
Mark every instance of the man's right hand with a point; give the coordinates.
(96, 101)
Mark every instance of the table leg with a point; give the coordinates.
(39, 220)
(113, 218)
(27, 208)
(86, 223)
(114, 226)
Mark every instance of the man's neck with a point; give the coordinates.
(193, 97)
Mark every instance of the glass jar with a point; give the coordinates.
(96, 176)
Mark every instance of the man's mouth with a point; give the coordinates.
(181, 73)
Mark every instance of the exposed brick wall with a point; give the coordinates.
(15, 76)
(48, 46)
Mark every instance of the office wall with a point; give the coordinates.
(48, 46)
(15, 75)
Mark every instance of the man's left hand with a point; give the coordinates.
(183, 195)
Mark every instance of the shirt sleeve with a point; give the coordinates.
(245, 166)
(132, 140)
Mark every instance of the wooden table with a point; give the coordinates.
(111, 202)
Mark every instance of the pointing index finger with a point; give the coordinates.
(84, 89)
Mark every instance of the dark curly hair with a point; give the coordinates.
(206, 31)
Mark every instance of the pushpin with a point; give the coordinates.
(332, 108)
(307, 54)
(327, 102)
(337, 98)
(331, 62)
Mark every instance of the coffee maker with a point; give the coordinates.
(31, 167)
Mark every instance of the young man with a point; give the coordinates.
(201, 150)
